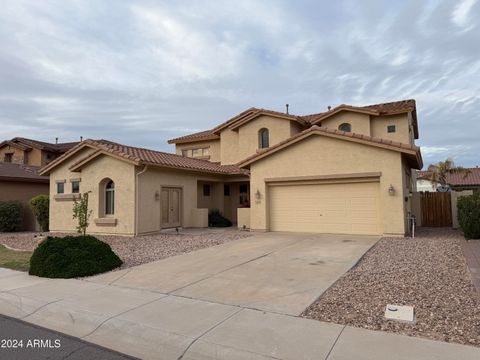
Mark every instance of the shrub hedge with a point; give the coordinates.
(39, 205)
(216, 219)
(72, 256)
(10, 216)
(469, 215)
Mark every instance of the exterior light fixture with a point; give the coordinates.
(258, 195)
(391, 190)
(157, 196)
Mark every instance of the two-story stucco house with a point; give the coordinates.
(347, 170)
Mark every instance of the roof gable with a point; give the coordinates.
(142, 156)
(412, 151)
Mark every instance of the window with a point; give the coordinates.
(60, 188)
(206, 189)
(226, 190)
(206, 151)
(391, 128)
(263, 139)
(185, 152)
(75, 187)
(8, 158)
(110, 198)
(197, 152)
(243, 198)
(345, 127)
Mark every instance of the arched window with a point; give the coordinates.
(263, 139)
(345, 127)
(110, 198)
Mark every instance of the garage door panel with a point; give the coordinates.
(331, 208)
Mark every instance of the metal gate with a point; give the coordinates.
(436, 209)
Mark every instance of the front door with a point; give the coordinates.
(171, 207)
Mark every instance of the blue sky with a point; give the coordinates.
(141, 72)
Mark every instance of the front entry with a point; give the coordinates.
(171, 207)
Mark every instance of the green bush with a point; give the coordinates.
(216, 219)
(469, 215)
(72, 256)
(39, 205)
(10, 216)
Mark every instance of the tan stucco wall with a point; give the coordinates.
(18, 156)
(243, 215)
(149, 206)
(23, 192)
(236, 145)
(360, 122)
(317, 156)
(213, 145)
(121, 172)
(402, 134)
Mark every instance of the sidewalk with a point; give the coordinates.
(152, 325)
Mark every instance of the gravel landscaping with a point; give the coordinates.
(428, 272)
(142, 249)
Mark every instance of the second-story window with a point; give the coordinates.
(391, 128)
(60, 187)
(263, 139)
(8, 158)
(345, 127)
(75, 187)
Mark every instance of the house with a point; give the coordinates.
(31, 152)
(458, 181)
(347, 170)
(21, 183)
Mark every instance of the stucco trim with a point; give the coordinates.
(60, 181)
(66, 197)
(364, 175)
(107, 221)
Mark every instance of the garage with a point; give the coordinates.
(336, 208)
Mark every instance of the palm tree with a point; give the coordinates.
(437, 173)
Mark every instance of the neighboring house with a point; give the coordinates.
(21, 183)
(458, 181)
(31, 152)
(347, 170)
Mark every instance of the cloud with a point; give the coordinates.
(145, 71)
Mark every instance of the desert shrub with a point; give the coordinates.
(72, 256)
(469, 215)
(39, 205)
(10, 216)
(216, 219)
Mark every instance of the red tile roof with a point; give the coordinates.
(28, 144)
(407, 148)
(22, 173)
(142, 156)
(389, 108)
(459, 179)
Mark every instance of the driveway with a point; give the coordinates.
(276, 272)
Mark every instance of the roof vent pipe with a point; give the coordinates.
(81, 138)
(329, 107)
(56, 140)
(286, 107)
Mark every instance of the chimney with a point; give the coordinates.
(329, 107)
(81, 138)
(286, 107)
(56, 140)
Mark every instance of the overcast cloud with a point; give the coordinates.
(141, 72)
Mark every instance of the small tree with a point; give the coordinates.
(438, 173)
(39, 205)
(81, 213)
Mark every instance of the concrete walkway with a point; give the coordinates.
(159, 320)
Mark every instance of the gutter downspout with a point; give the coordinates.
(145, 167)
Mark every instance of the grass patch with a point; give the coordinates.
(15, 260)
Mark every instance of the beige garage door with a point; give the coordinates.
(327, 208)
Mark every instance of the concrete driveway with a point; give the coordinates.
(202, 305)
(276, 272)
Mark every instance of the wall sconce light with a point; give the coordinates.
(258, 195)
(391, 190)
(157, 196)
